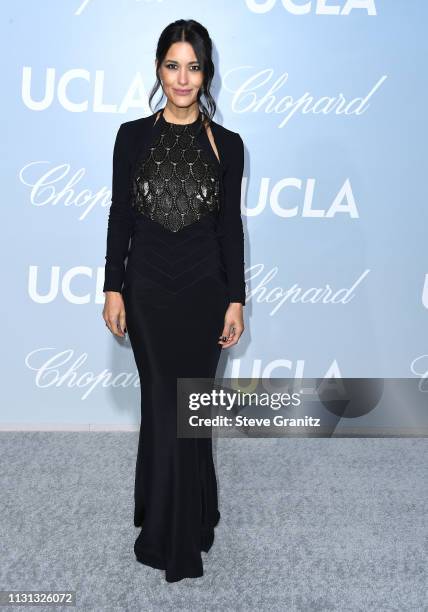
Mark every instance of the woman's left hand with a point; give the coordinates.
(233, 325)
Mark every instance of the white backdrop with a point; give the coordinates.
(329, 98)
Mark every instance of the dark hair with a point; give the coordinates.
(188, 30)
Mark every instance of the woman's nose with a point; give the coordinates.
(182, 76)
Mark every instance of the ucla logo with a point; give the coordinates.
(319, 7)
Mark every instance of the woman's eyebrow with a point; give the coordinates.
(177, 62)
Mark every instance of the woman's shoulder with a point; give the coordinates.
(224, 131)
(137, 124)
(135, 131)
(230, 141)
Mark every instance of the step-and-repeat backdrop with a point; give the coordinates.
(329, 97)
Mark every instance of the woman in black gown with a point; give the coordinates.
(176, 194)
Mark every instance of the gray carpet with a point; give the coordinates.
(308, 524)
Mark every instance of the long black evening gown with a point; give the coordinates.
(180, 277)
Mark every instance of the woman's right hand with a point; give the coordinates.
(114, 313)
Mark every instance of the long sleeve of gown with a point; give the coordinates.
(121, 218)
(232, 234)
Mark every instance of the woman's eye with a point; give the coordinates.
(175, 66)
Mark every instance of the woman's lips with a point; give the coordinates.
(182, 92)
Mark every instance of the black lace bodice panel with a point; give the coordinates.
(176, 182)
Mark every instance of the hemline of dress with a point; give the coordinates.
(207, 540)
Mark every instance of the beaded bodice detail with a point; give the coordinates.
(177, 182)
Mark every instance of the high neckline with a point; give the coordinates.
(179, 125)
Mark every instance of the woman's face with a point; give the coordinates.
(181, 74)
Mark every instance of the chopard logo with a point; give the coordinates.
(264, 293)
(57, 186)
(258, 93)
(56, 369)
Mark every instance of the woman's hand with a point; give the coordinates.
(114, 313)
(233, 325)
